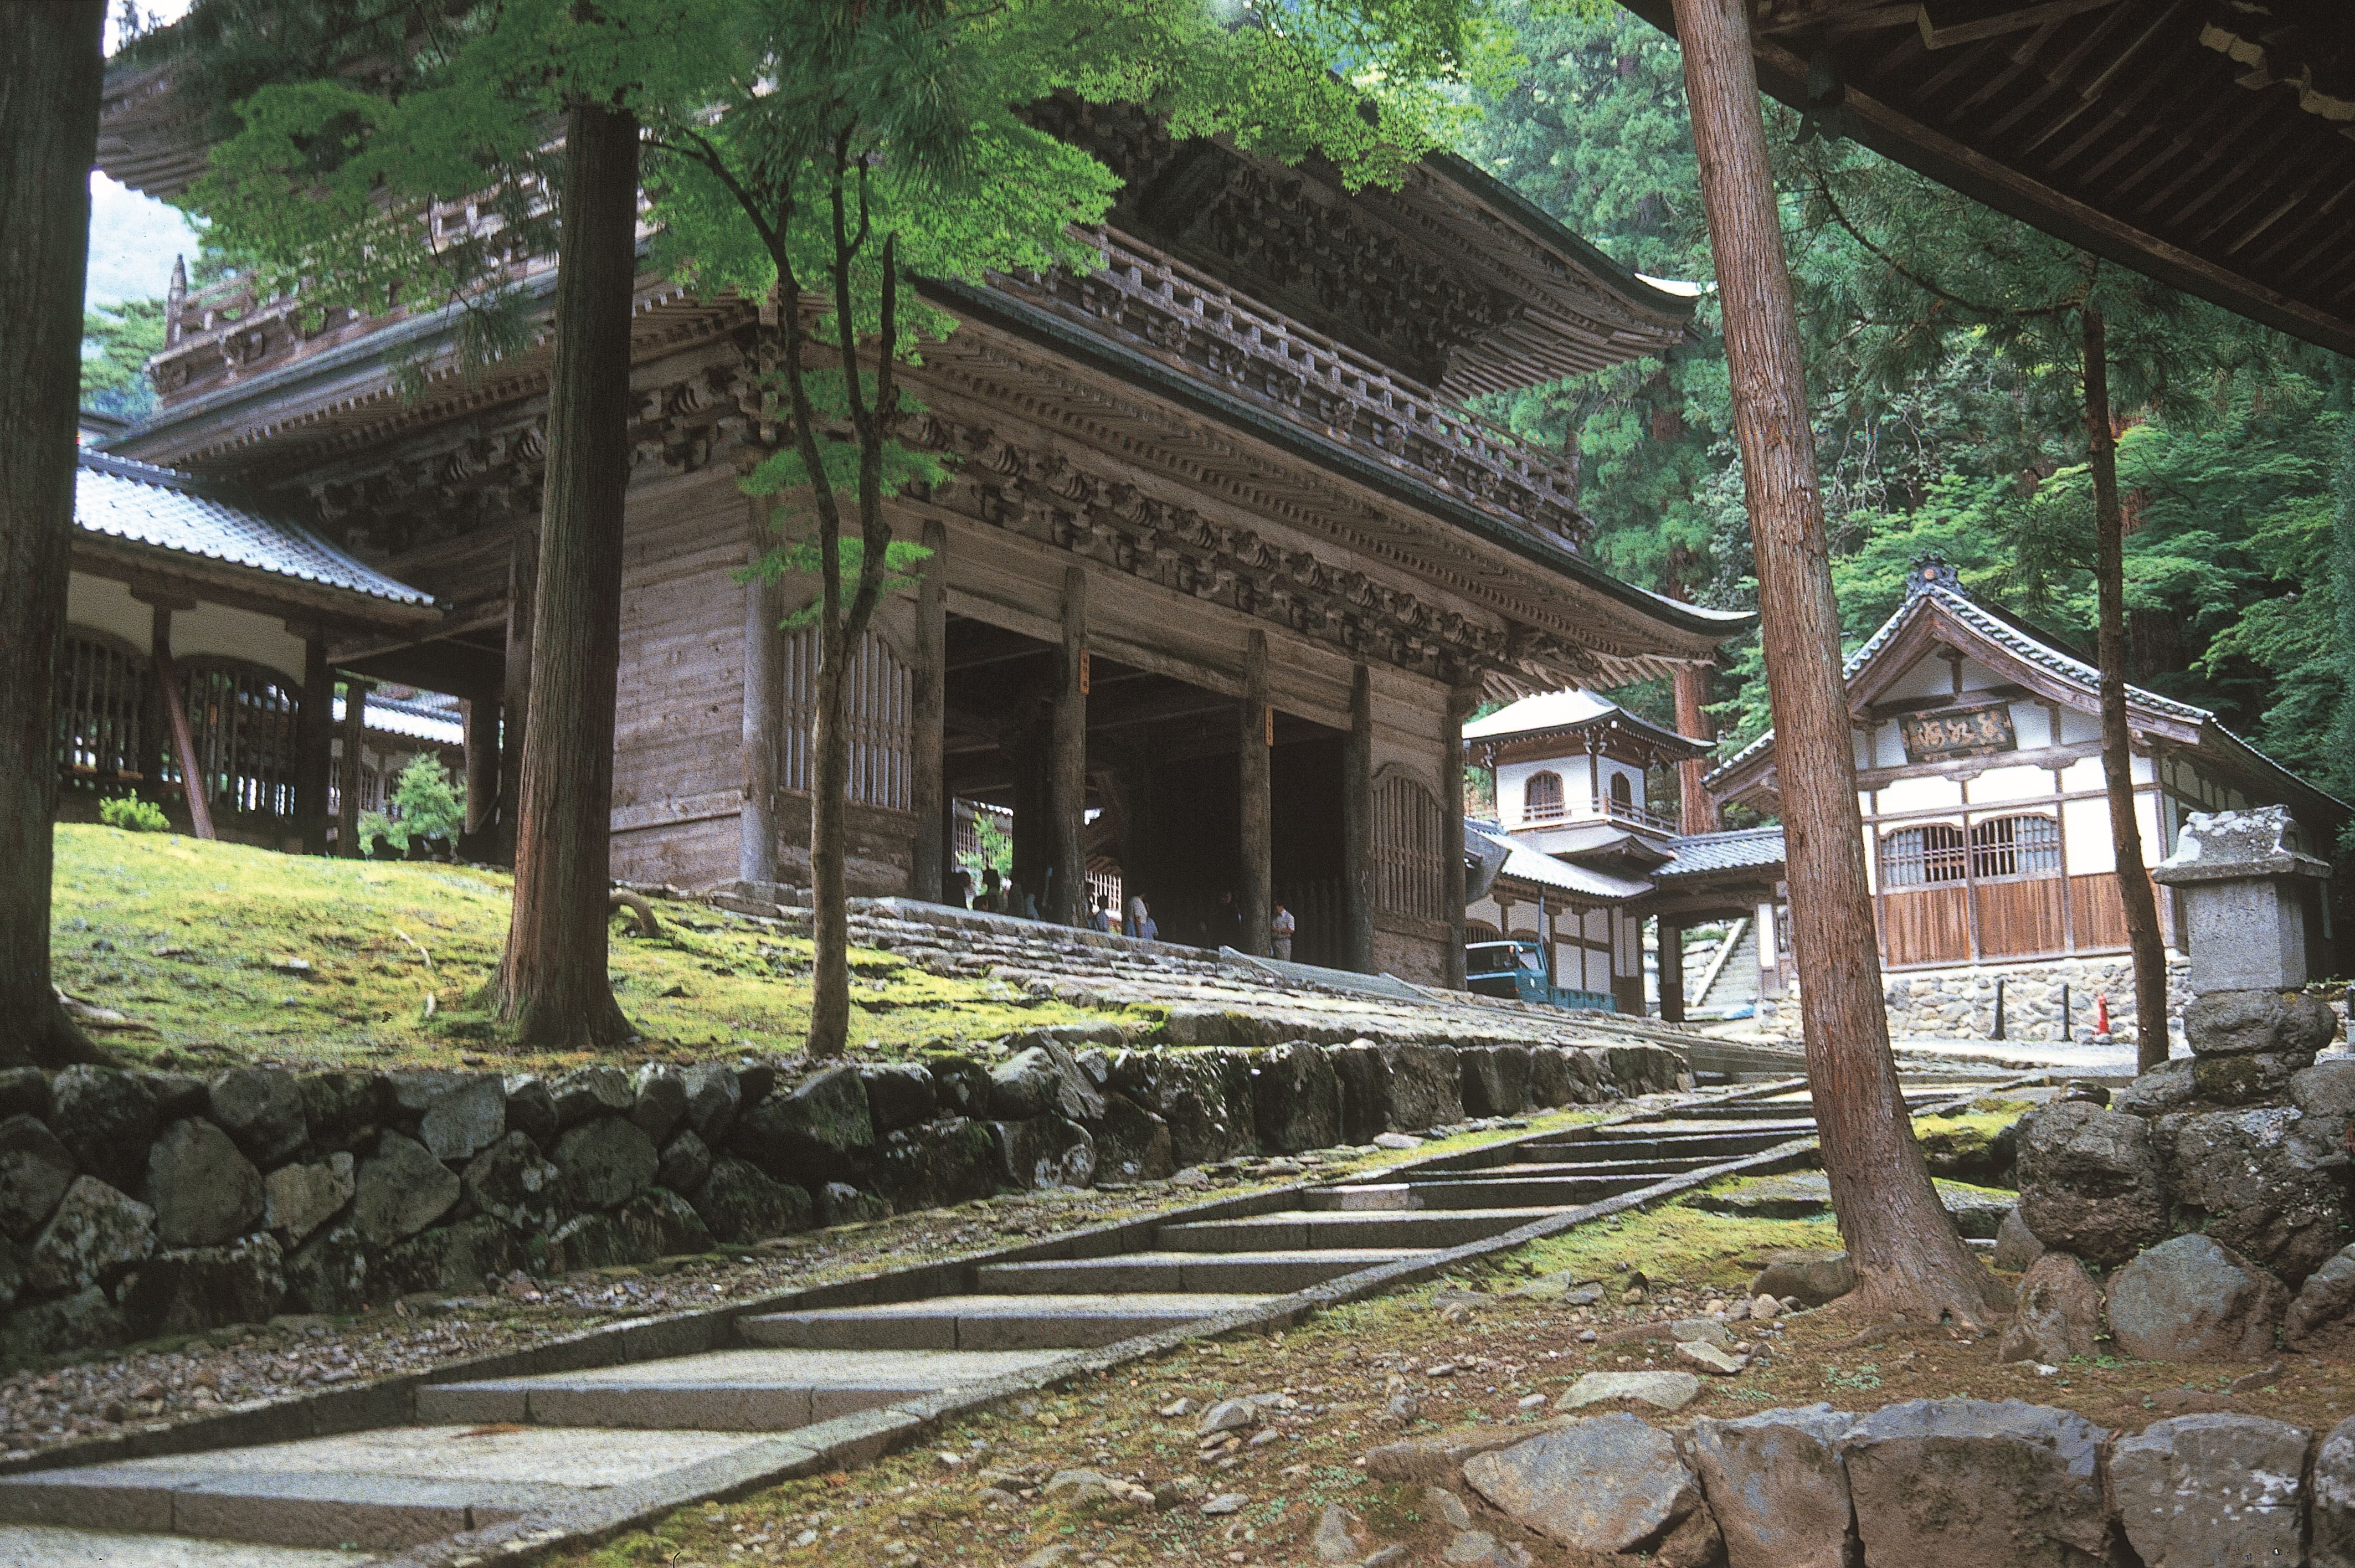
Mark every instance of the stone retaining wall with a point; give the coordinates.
(1959, 1003)
(135, 1204)
(1989, 1484)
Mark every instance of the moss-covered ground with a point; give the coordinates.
(218, 953)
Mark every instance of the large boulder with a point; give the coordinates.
(1608, 1483)
(952, 1160)
(713, 1098)
(2089, 1181)
(1995, 1485)
(960, 1084)
(1206, 1122)
(653, 1225)
(531, 1108)
(463, 1258)
(1553, 1079)
(2268, 1181)
(1494, 1079)
(666, 1222)
(2331, 1516)
(95, 1234)
(586, 1092)
(2058, 1315)
(193, 1289)
(1427, 1090)
(1777, 1489)
(1042, 1079)
(464, 1119)
(86, 1320)
(661, 1101)
(2289, 1023)
(2326, 1089)
(261, 1109)
(1296, 1098)
(606, 1161)
(1812, 1279)
(1364, 1074)
(819, 1131)
(740, 1202)
(1132, 1143)
(2321, 1318)
(2192, 1299)
(203, 1191)
(35, 1171)
(107, 1119)
(515, 1184)
(296, 1199)
(899, 1094)
(686, 1161)
(2245, 1079)
(341, 1110)
(2193, 1491)
(329, 1272)
(399, 1190)
(2169, 1086)
(1045, 1152)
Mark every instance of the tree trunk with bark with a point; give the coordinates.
(2139, 900)
(551, 985)
(765, 707)
(1909, 1262)
(50, 68)
(829, 1030)
(1696, 813)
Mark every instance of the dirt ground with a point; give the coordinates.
(1466, 1351)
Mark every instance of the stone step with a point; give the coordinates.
(1788, 1126)
(377, 1491)
(1648, 1169)
(1276, 1273)
(1709, 1148)
(1302, 1230)
(1502, 1192)
(988, 1322)
(49, 1546)
(725, 1391)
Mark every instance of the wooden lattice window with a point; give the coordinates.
(882, 728)
(2024, 845)
(244, 720)
(1542, 797)
(1409, 863)
(102, 712)
(1911, 857)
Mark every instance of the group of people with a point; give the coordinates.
(1005, 896)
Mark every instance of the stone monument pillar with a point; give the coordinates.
(2244, 880)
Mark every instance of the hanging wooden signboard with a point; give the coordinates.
(1975, 729)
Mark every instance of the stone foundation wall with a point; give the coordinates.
(135, 1205)
(1959, 1003)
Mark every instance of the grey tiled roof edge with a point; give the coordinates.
(1742, 848)
(161, 508)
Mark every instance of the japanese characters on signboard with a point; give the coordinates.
(1977, 730)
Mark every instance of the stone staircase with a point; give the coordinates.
(573, 1451)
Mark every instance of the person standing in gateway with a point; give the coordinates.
(1280, 929)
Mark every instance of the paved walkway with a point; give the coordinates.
(537, 1448)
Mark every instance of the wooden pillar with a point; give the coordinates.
(482, 762)
(927, 785)
(315, 746)
(1696, 813)
(523, 582)
(347, 814)
(1067, 763)
(1672, 973)
(761, 736)
(1451, 827)
(175, 718)
(1358, 827)
(1255, 899)
(1031, 852)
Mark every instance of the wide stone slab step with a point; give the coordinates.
(725, 1391)
(1807, 1195)
(988, 1322)
(377, 1491)
(1276, 1273)
(1709, 1148)
(1302, 1230)
(1649, 1170)
(1496, 1191)
(46, 1546)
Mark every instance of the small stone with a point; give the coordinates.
(839, 1203)
(2058, 1315)
(190, 1291)
(1389, 1556)
(1228, 1415)
(1708, 1359)
(1700, 1332)
(1332, 1541)
(1178, 1409)
(1397, 1141)
(1448, 1506)
(1225, 1503)
(1402, 1407)
(96, 1233)
(1764, 1307)
(1813, 1278)
(1661, 1391)
(2016, 1247)
(1531, 1402)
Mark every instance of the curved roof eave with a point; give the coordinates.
(1550, 232)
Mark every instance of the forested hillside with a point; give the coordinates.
(1948, 416)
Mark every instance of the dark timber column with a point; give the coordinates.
(764, 709)
(482, 760)
(347, 813)
(1451, 830)
(1672, 973)
(523, 582)
(1696, 813)
(927, 787)
(314, 747)
(1358, 827)
(1256, 897)
(1032, 850)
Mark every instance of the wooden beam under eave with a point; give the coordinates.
(1961, 30)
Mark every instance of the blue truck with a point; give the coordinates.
(1515, 970)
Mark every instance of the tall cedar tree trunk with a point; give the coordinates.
(2135, 891)
(49, 71)
(1910, 1263)
(552, 983)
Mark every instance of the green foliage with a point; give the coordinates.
(427, 803)
(116, 341)
(133, 815)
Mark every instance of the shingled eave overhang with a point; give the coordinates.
(1937, 616)
(1484, 751)
(1028, 321)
